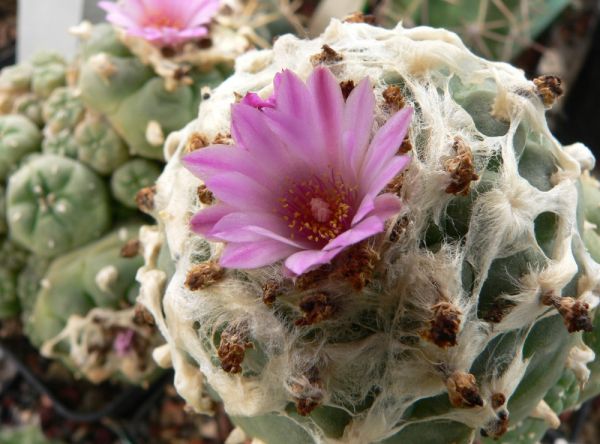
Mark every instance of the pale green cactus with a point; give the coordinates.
(82, 307)
(135, 99)
(48, 73)
(18, 137)
(62, 143)
(497, 29)
(99, 146)
(30, 106)
(462, 318)
(55, 204)
(62, 110)
(131, 177)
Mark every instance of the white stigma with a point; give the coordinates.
(320, 209)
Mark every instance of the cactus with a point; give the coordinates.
(495, 29)
(55, 204)
(131, 177)
(81, 307)
(62, 110)
(453, 314)
(19, 137)
(132, 96)
(99, 146)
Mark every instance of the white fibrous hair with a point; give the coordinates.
(481, 260)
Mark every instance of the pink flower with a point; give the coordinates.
(303, 181)
(123, 342)
(163, 22)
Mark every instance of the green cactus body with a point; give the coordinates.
(497, 29)
(86, 290)
(49, 72)
(18, 137)
(132, 96)
(30, 106)
(62, 110)
(62, 143)
(131, 177)
(99, 146)
(502, 252)
(55, 204)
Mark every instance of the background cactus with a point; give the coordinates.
(468, 314)
(494, 29)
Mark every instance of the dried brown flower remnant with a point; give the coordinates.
(463, 390)
(326, 56)
(270, 292)
(145, 199)
(205, 195)
(575, 313)
(393, 98)
(356, 265)
(498, 426)
(308, 392)
(316, 307)
(549, 88)
(204, 275)
(498, 400)
(406, 146)
(223, 139)
(195, 142)
(461, 168)
(395, 186)
(142, 316)
(359, 17)
(131, 248)
(232, 349)
(444, 325)
(346, 86)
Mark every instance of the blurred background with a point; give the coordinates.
(542, 37)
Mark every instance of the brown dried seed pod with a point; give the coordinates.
(498, 400)
(444, 325)
(142, 316)
(270, 292)
(575, 313)
(326, 56)
(205, 195)
(359, 17)
(131, 248)
(461, 168)
(393, 98)
(195, 142)
(204, 275)
(549, 88)
(145, 199)
(463, 390)
(356, 265)
(223, 139)
(346, 86)
(308, 392)
(316, 308)
(232, 348)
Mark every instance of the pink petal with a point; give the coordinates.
(378, 182)
(386, 206)
(329, 109)
(385, 144)
(250, 130)
(240, 191)
(254, 254)
(299, 139)
(304, 261)
(249, 227)
(292, 95)
(192, 33)
(204, 221)
(117, 16)
(364, 229)
(256, 101)
(203, 13)
(218, 159)
(358, 122)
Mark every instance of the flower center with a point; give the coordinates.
(161, 21)
(317, 209)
